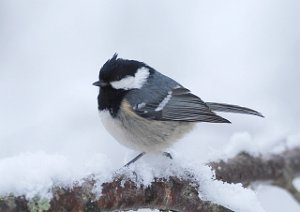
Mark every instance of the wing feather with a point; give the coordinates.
(221, 107)
(181, 105)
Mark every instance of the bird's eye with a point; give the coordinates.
(118, 78)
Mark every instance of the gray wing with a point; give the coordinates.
(221, 107)
(179, 104)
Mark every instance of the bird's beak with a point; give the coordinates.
(97, 83)
(100, 83)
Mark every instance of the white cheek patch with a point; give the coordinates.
(131, 82)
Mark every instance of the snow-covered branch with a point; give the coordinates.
(174, 193)
(245, 168)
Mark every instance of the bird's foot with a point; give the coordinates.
(168, 155)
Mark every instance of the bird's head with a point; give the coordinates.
(123, 74)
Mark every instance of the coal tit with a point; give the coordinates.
(148, 111)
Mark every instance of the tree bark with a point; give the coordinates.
(173, 193)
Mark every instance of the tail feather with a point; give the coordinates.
(220, 107)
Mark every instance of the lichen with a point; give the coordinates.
(8, 200)
(38, 204)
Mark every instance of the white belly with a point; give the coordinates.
(141, 134)
(116, 129)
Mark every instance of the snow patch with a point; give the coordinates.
(35, 173)
(296, 183)
(229, 195)
(289, 142)
(232, 196)
(241, 142)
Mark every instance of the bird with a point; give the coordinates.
(147, 111)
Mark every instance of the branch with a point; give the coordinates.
(247, 169)
(173, 193)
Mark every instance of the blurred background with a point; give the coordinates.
(239, 52)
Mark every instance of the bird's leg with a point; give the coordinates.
(135, 159)
(168, 155)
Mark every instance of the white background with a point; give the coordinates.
(240, 52)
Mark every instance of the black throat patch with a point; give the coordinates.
(110, 99)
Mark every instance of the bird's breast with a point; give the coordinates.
(142, 134)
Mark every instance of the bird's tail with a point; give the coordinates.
(220, 107)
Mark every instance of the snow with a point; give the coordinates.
(131, 82)
(244, 142)
(296, 183)
(286, 200)
(232, 196)
(241, 142)
(34, 174)
(289, 142)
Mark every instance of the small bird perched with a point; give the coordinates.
(148, 111)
